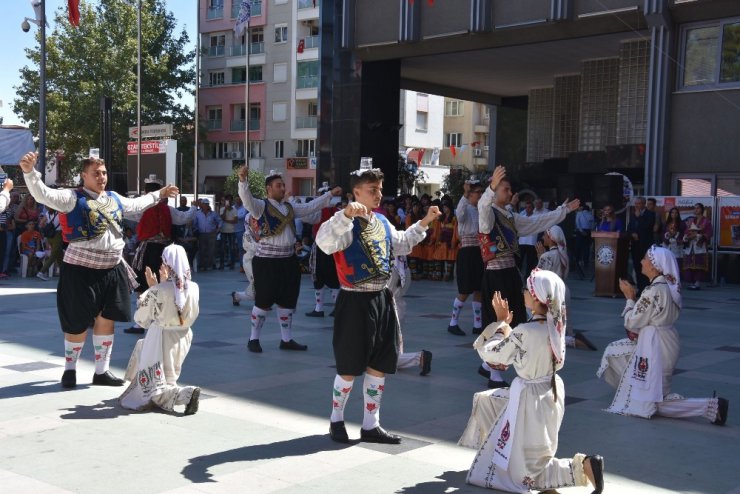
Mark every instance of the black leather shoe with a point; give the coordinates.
(134, 330)
(234, 300)
(379, 435)
(426, 362)
(338, 432)
(497, 384)
(69, 379)
(723, 407)
(106, 379)
(483, 372)
(192, 406)
(477, 330)
(455, 330)
(579, 337)
(292, 345)
(254, 346)
(597, 467)
(315, 313)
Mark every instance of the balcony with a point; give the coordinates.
(216, 51)
(307, 82)
(255, 12)
(308, 4)
(238, 50)
(307, 122)
(214, 124)
(215, 12)
(311, 42)
(256, 48)
(241, 125)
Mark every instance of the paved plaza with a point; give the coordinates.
(263, 420)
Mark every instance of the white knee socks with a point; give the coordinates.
(258, 320)
(103, 345)
(373, 387)
(339, 397)
(71, 354)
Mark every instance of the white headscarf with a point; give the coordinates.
(547, 288)
(557, 236)
(664, 261)
(176, 260)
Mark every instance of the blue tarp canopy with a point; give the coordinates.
(15, 141)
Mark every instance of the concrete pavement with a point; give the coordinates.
(263, 420)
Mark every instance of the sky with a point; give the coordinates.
(14, 41)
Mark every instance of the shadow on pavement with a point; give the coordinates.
(108, 409)
(34, 388)
(450, 481)
(197, 470)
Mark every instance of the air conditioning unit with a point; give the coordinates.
(478, 153)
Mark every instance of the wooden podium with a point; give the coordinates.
(610, 262)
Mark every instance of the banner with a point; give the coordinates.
(729, 222)
(148, 147)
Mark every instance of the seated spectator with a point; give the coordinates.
(33, 246)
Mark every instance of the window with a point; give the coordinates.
(255, 149)
(255, 114)
(279, 112)
(238, 75)
(279, 149)
(281, 33)
(453, 139)
(255, 73)
(216, 45)
(216, 78)
(306, 148)
(280, 72)
(256, 40)
(422, 120)
(307, 74)
(313, 109)
(215, 115)
(711, 54)
(215, 150)
(454, 108)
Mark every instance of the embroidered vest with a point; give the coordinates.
(273, 222)
(155, 221)
(369, 256)
(503, 238)
(90, 219)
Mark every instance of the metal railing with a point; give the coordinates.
(241, 125)
(308, 4)
(307, 82)
(307, 122)
(311, 42)
(256, 8)
(215, 12)
(214, 124)
(216, 51)
(241, 50)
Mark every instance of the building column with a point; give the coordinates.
(661, 53)
(492, 127)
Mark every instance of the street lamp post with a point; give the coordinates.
(40, 9)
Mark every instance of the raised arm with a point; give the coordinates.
(499, 344)
(62, 200)
(486, 218)
(461, 210)
(255, 207)
(335, 234)
(529, 225)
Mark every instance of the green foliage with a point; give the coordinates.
(452, 184)
(99, 59)
(256, 183)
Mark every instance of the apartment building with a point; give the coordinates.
(466, 125)
(281, 79)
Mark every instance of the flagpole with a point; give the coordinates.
(138, 102)
(197, 90)
(246, 90)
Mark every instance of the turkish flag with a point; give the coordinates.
(301, 46)
(74, 12)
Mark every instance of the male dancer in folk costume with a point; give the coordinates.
(277, 275)
(323, 269)
(366, 328)
(641, 366)
(154, 232)
(95, 283)
(469, 261)
(499, 231)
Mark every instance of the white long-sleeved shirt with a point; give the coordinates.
(65, 200)
(4, 200)
(280, 245)
(467, 218)
(525, 225)
(335, 235)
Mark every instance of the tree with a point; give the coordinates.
(452, 184)
(256, 183)
(99, 59)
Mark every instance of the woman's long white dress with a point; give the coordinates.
(641, 370)
(518, 454)
(156, 361)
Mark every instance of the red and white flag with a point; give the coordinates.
(74, 12)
